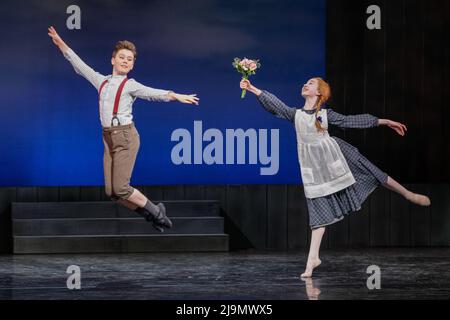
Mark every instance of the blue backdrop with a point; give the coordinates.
(51, 133)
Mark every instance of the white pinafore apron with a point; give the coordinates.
(323, 167)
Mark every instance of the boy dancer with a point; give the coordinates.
(120, 137)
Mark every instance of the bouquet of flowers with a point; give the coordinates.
(246, 67)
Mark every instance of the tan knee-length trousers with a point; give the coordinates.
(121, 148)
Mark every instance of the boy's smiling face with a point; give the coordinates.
(123, 62)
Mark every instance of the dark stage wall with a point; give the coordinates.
(399, 73)
(274, 217)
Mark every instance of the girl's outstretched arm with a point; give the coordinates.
(400, 128)
(359, 121)
(362, 121)
(80, 67)
(270, 102)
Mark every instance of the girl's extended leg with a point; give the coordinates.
(419, 199)
(313, 256)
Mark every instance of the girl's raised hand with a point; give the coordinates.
(245, 84)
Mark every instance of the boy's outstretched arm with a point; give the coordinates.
(57, 40)
(80, 67)
(184, 98)
(141, 91)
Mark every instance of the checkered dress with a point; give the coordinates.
(329, 209)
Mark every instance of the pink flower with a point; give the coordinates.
(248, 64)
(247, 68)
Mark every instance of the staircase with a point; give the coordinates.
(105, 227)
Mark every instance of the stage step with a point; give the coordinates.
(83, 227)
(116, 226)
(121, 244)
(107, 209)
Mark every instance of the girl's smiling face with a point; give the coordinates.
(310, 88)
(123, 61)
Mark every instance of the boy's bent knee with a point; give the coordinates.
(124, 192)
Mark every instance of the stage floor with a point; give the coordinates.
(406, 273)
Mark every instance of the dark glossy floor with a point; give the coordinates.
(405, 274)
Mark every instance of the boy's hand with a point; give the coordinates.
(184, 98)
(57, 39)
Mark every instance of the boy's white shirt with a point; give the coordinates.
(131, 91)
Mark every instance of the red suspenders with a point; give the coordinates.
(116, 101)
(101, 88)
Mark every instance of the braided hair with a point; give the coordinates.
(325, 93)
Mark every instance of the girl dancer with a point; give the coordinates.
(336, 177)
(120, 137)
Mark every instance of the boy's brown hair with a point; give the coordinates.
(125, 44)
